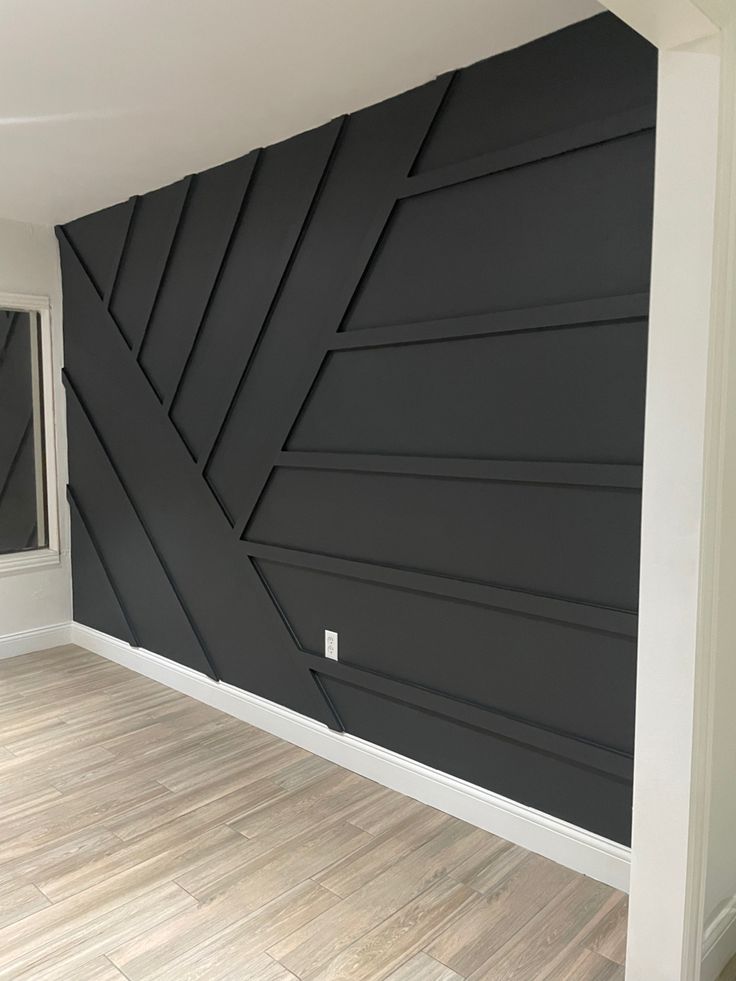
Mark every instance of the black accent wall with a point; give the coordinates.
(387, 378)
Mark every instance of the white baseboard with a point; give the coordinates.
(565, 843)
(37, 639)
(719, 940)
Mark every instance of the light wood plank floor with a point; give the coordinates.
(146, 836)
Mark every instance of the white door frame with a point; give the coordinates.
(687, 583)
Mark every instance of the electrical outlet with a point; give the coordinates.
(331, 644)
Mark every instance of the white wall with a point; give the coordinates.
(720, 886)
(37, 597)
(720, 877)
(687, 630)
(672, 505)
(683, 872)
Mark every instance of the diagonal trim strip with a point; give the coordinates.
(69, 385)
(95, 545)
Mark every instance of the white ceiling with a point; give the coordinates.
(101, 99)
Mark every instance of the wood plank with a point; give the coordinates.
(422, 967)
(18, 900)
(531, 950)
(163, 846)
(495, 919)
(381, 853)
(584, 965)
(608, 937)
(211, 942)
(91, 936)
(382, 949)
(98, 969)
(309, 949)
(148, 837)
(274, 870)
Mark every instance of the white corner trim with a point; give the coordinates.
(719, 941)
(38, 639)
(565, 843)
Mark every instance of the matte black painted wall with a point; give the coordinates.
(387, 378)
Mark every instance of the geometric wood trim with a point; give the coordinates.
(621, 475)
(248, 184)
(290, 250)
(570, 748)
(128, 221)
(74, 504)
(187, 186)
(580, 313)
(563, 141)
(620, 622)
(237, 289)
(72, 391)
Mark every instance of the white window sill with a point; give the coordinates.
(39, 558)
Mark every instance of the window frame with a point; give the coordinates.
(50, 554)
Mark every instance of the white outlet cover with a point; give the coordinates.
(331, 644)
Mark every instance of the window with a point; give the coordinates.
(27, 502)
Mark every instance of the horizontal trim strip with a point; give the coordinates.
(512, 471)
(562, 842)
(552, 145)
(600, 618)
(11, 563)
(567, 747)
(578, 313)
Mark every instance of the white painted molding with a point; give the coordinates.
(664, 931)
(24, 301)
(38, 639)
(719, 941)
(37, 558)
(565, 843)
(46, 427)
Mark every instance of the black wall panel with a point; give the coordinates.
(280, 191)
(584, 78)
(494, 652)
(387, 377)
(96, 602)
(579, 794)
(541, 538)
(97, 240)
(436, 255)
(208, 218)
(396, 400)
(150, 236)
